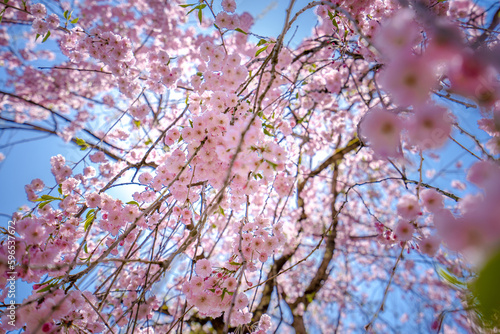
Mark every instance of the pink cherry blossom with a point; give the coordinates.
(432, 200)
(404, 230)
(203, 268)
(40, 26)
(381, 129)
(53, 21)
(429, 245)
(399, 34)
(409, 79)
(484, 174)
(38, 10)
(429, 127)
(229, 5)
(408, 207)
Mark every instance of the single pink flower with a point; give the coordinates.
(404, 230)
(433, 201)
(483, 174)
(38, 10)
(398, 34)
(229, 5)
(430, 245)
(429, 127)
(408, 207)
(381, 129)
(203, 268)
(409, 79)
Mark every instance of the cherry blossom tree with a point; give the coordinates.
(232, 182)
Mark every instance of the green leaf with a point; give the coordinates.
(137, 123)
(65, 14)
(262, 42)
(200, 15)
(239, 30)
(37, 35)
(221, 210)
(47, 288)
(449, 278)
(485, 289)
(89, 213)
(266, 132)
(191, 123)
(192, 10)
(75, 20)
(335, 24)
(85, 249)
(47, 198)
(88, 222)
(82, 143)
(272, 164)
(187, 5)
(261, 50)
(133, 202)
(43, 204)
(235, 263)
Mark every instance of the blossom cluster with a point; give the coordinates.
(214, 291)
(41, 24)
(59, 312)
(412, 74)
(475, 225)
